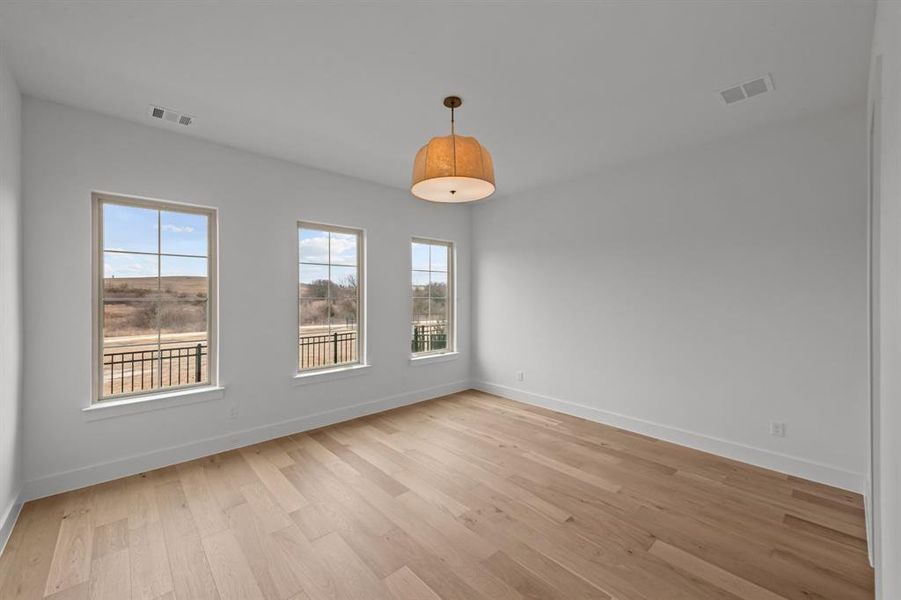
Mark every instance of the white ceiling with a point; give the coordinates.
(550, 90)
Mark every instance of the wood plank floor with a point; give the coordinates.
(470, 496)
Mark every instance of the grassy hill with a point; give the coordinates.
(129, 308)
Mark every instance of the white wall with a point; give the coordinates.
(70, 152)
(887, 352)
(694, 296)
(10, 300)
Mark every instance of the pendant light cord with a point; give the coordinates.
(454, 140)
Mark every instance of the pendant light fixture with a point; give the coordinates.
(453, 168)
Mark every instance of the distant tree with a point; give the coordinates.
(314, 289)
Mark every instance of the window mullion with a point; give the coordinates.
(159, 289)
(434, 318)
(145, 314)
(328, 287)
(339, 353)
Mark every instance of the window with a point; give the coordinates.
(432, 282)
(329, 296)
(155, 271)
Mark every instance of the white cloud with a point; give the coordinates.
(126, 270)
(314, 249)
(343, 246)
(177, 229)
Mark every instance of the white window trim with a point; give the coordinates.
(451, 349)
(330, 374)
(420, 360)
(117, 407)
(302, 376)
(98, 199)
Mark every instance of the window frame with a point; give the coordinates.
(98, 200)
(451, 294)
(361, 361)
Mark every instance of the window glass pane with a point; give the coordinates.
(438, 310)
(183, 233)
(129, 276)
(183, 278)
(420, 284)
(328, 298)
(439, 258)
(420, 257)
(183, 321)
(343, 282)
(344, 331)
(183, 342)
(314, 341)
(433, 337)
(155, 323)
(313, 246)
(430, 333)
(130, 318)
(344, 314)
(438, 287)
(313, 316)
(343, 248)
(431, 304)
(130, 228)
(420, 310)
(313, 281)
(130, 335)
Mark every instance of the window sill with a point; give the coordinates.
(329, 374)
(428, 359)
(106, 409)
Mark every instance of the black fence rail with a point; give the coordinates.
(137, 370)
(328, 349)
(427, 338)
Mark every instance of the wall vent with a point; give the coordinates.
(748, 89)
(166, 114)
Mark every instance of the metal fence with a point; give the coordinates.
(339, 348)
(137, 370)
(328, 349)
(427, 338)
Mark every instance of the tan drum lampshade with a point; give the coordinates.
(453, 168)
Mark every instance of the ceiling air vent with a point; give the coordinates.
(748, 89)
(165, 114)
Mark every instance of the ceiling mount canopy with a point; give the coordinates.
(453, 168)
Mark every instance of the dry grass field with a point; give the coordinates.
(144, 305)
(143, 316)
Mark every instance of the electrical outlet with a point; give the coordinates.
(519, 376)
(233, 412)
(777, 429)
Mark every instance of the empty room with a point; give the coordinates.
(450, 300)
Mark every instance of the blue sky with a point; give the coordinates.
(428, 257)
(324, 247)
(130, 229)
(317, 246)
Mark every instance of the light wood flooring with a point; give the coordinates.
(470, 496)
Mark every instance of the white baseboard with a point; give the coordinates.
(767, 459)
(868, 516)
(8, 520)
(98, 473)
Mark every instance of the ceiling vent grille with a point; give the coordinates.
(748, 89)
(165, 114)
